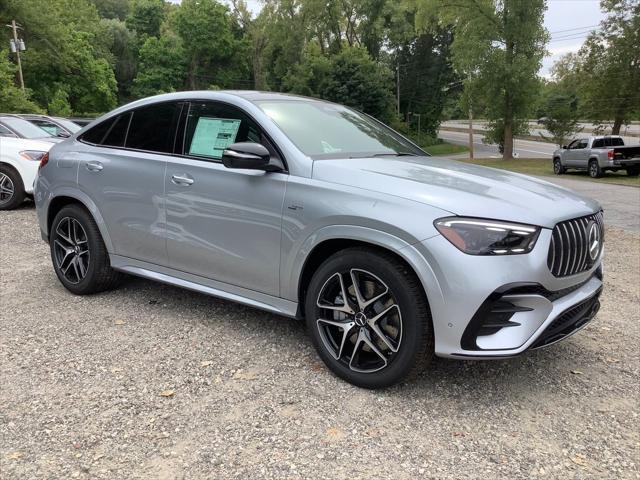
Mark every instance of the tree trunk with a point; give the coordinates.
(617, 123)
(508, 140)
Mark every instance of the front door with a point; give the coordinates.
(223, 224)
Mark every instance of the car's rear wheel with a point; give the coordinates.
(594, 169)
(633, 171)
(558, 169)
(80, 258)
(11, 188)
(368, 317)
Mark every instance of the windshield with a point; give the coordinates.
(23, 128)
(326, 130)
(68, 124)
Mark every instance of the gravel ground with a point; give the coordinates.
(150, 381)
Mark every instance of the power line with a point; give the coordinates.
(572, 29)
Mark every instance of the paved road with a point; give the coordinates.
(632, 130)
(525, 148)
(621, 204)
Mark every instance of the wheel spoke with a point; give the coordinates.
(346, 308)
(373, 323)
(346, 328)
(362, 302)
(363, 339)
(65, 236)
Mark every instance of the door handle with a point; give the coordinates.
(94, 166)
(184, 180)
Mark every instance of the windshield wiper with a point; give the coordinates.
(396, 154)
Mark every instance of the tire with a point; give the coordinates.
(11, 188)
(407, 346)
(558, 168)
(594, 169)
(78, 253)
(633, 171)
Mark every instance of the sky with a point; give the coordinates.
(568, 21)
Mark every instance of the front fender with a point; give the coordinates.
(292, 270)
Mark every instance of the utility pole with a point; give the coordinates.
(17, 46)
(470, 131)
(398, 87)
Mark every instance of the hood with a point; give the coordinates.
(461, 188)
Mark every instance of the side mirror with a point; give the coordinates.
(247, 155)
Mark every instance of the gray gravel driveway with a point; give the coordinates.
(154, 382)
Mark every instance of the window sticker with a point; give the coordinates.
(213, 135)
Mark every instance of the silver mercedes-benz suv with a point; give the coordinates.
(313, 210)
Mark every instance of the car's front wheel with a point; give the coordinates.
(368, 317)
(79, 256)
(11, 188)
(558, 169)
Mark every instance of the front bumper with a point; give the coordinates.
(496, 307)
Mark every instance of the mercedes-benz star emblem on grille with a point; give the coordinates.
(594, 240)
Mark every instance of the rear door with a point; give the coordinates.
(124, 175)
(223, 224)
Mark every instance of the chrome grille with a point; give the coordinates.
(569, 248)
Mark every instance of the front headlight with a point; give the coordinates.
(478, 236)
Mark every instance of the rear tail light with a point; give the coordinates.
(610, 154)
(44, 160)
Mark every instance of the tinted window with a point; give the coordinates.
(116, 136)
(582, 143)
(598, 143)
(211, 127)
(152, 128)
(614, 142)
(97, 133)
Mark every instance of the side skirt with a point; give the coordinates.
(205, 285)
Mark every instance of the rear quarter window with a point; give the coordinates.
(96, 134)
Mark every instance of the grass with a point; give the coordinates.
(538, 166)
(445, 148)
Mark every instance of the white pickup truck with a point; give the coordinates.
(597, 155)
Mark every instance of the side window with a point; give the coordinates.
(211, 127)
(152, 128)
(573, 144)
(617, 142)
(5, 132)
(118, 132)
(599, 143)
(97, 133)
(582, 143)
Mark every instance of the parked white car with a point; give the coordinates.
(19, 161)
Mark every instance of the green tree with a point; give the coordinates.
(161, 67)
(145, 17)
(59, 104)
(13, 98)
(561, 118)
(498, 48)
(122, 44)
(213, 52)
(610, 69)
(112, 8)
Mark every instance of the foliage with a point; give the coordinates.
(13, 98)
(161, 67)
(59, 104)
(117, 9)
(146, 17)
(497, 48)
(561, 118)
